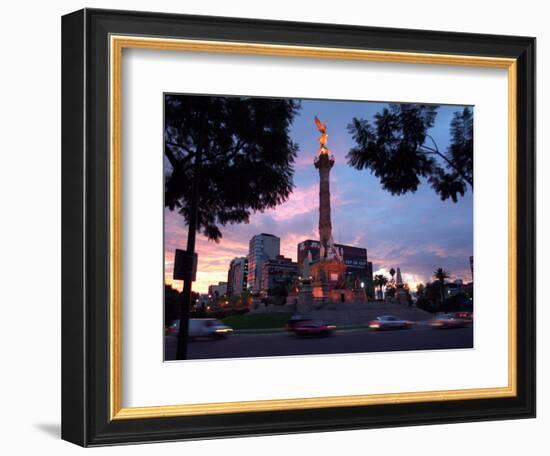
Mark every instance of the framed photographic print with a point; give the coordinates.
(271, 227)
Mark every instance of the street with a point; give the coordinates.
(421, 337)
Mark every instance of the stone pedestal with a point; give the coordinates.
(305, 298)
(401, 296)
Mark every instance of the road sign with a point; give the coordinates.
(185, 265)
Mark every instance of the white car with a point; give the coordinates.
(389, 322)
(204, 327)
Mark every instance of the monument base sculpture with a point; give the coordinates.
(329, 283)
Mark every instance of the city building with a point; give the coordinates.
(237, 276)
(218, 290)
(463, 292)
(277, 271)
(262, 247)
(358, 269)
(453, 288)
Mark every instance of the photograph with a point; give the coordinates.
(296, 227)
(269, 225)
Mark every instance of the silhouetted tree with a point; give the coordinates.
(440, 274)
(281, 289)
(171, 304)
(225, 157)
(399, 151)
(430, 297)
(457, 173)
(247, 156)
(380, 281)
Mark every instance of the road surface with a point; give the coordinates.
(342, 341)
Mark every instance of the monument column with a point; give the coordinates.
(329, 271)
(324, 164)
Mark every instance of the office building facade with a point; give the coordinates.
(217, 291)
(276, 272)
(358, 269)
(237, 276)
(261, 247)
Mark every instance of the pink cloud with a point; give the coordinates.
(213, 262)
(306, 200)
(290, 241)
(303, 161)
(301, 201)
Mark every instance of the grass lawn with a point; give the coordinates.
(258, 321)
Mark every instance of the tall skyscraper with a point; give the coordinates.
(237, 276)
(262, 247)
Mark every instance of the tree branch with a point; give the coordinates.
(171, 158)
(175, 162)
(449, 162)
(235, 150)
(181, 146)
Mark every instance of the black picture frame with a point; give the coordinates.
(85, 224)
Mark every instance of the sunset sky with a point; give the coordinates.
(416, 232)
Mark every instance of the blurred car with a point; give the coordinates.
(464, 315)
(313, 328)
(173, 328)
(447, 321)
(203, 327)
(295, 320)
(389, 322)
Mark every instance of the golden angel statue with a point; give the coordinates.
(324, 136)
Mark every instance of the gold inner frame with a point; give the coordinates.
(117, 44)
